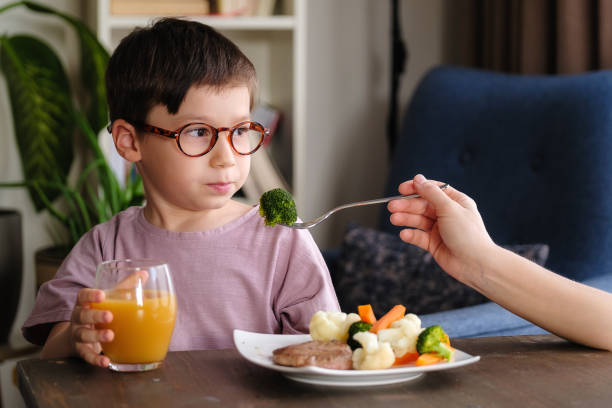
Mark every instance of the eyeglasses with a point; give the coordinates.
(197, 139)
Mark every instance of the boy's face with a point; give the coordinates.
(195, 183)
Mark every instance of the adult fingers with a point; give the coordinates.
(408, 205)
(461, 198)
(407, 187)
(431, 191)
(416, 237)
(411, 220)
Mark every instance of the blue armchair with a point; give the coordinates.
(534, 153)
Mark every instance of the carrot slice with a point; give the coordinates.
(406, 358)
(396, 313)
(366, 313)
(446, 340)
(428, 358)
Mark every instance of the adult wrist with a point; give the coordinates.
(486, 264)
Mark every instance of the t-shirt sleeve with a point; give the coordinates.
(56, 298)
(307, 287)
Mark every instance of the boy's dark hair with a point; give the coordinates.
(158, 64)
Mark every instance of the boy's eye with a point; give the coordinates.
(243, 131)
(198, 131)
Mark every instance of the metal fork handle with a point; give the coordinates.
(362, 203)
(380, 200)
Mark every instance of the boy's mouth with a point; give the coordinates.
(222, 188)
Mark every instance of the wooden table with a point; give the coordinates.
(532, 371)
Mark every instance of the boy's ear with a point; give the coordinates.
(126, 140)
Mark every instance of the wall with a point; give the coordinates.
(348, 77)
(344, 148)
(35, 234)
(425, 30)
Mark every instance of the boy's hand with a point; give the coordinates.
(448, 226)
(84, 338)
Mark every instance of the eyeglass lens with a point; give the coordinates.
(197, 138)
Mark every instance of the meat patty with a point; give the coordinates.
(327, 354)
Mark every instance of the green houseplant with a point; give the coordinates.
(49, 121)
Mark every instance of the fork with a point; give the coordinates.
(312, 223)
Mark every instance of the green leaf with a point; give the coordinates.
(94, 59)
(45, 119)
(42, 107)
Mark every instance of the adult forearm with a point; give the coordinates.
(58, 343)
(569, 309)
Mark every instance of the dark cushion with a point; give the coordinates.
(380, 269)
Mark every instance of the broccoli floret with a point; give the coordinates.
(433, 340)
(277, 207)
(355, 328)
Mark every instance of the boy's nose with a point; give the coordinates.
(222, 153)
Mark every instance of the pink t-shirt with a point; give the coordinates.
(243, 275)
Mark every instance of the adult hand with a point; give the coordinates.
(444, 222)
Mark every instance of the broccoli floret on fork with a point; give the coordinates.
(276, 206)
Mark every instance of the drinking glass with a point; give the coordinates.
(141, 297)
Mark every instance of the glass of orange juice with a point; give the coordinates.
(141, 297)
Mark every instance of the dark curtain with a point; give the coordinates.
(532, 36)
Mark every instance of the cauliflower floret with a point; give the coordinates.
(402, 335)
(373, 355)
(331, 325)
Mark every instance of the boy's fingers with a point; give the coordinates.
(92, 355)
(86, 296)
(82, 315)
(132, 281)
(88, 335)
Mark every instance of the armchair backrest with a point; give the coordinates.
(535, 152)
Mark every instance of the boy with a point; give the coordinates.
(179, 97)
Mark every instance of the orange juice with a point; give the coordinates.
(142, 325)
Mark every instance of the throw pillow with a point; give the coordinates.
(380, 269)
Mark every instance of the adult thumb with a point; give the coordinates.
(431, 192)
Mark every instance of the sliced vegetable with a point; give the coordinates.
(406, 358)
(428, 358)
(366, 313)
(396, 313)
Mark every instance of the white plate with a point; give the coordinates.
(258, 347)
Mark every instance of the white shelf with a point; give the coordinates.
(272, 23)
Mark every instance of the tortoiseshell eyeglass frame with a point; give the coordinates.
(175, 134)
